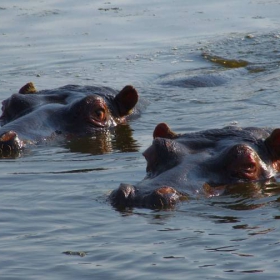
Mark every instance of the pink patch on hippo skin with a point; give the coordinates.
(213, 191)
(166, 196)
(8, 136)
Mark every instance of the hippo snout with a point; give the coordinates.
(164, 197)
(10, 144)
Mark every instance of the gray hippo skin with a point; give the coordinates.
(30, 116)
(204, 164)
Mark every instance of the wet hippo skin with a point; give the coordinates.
(206, 163)
(30, 116)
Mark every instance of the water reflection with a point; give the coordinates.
(10, 154)
(245, 271)
(253, 230)
(225, 219)
(156, 217)
(249, 195)
(120, 139)
(222, 249)
(72, 253)
(245, 52)
(225, 62)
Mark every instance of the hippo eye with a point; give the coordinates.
(247, 171)
(250, 166)
(100, 114)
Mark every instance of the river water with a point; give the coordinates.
(55, 221)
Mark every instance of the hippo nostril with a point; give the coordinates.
(8, 147)
(8, 136)
(123, 196)
(244, 174)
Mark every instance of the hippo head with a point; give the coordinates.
(239, 162)
(219, 158)
(89, 100)
(71, 110)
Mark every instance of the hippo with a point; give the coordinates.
(206, 163)
(31, 116)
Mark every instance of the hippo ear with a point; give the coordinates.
(28, 88)
(126, 100)
(273, 143)
(162, 130)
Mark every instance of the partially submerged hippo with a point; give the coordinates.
(30, 116)
(208, 77)
(205, 163)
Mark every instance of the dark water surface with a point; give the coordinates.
(55, 220)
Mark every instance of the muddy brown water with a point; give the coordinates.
(56, 222)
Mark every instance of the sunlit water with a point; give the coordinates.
(56, 222)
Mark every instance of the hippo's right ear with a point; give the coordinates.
(28, 88)
(272, 142)
(126, 100)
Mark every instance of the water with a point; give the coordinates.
(56, 222)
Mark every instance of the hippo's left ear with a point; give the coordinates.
(162, 130)
(126, 100)
(272, 142)
(28, 88)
